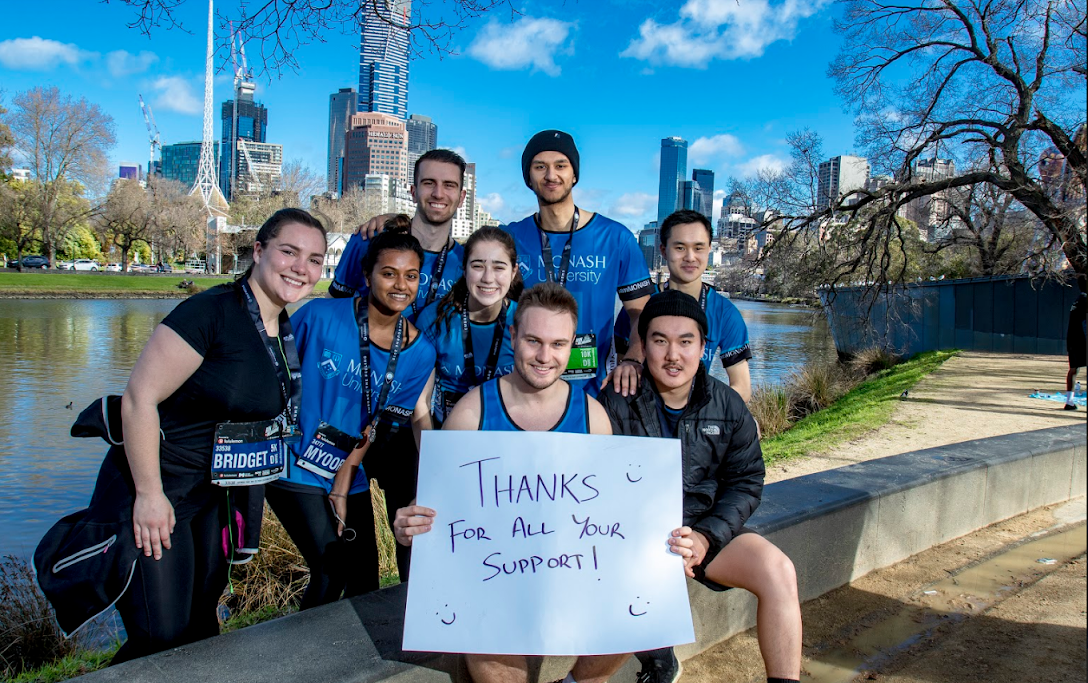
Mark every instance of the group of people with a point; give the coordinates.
(234, 402)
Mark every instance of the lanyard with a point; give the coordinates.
(703, 294)
(288, 368)
(546, 251)
(361, 317)
(436, 276)
(492, 354)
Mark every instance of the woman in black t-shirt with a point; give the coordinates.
(222, 356)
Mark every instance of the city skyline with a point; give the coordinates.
(485, 97)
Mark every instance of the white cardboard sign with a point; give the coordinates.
(547, 543)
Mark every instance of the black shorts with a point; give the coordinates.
(700, 571)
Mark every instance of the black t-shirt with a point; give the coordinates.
(236, 382)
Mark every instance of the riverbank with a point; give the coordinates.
(82, 285)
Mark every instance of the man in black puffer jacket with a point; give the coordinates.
(723, 480)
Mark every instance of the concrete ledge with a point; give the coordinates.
(835, 526)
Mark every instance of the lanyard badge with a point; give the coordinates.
(374, 411)
(284, 356)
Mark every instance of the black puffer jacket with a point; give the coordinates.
(723, 464)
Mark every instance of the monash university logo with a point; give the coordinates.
(330, 364)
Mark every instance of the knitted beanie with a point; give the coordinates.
(550, 141)
(671, 302)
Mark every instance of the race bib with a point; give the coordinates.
(583, 357)
(327, 451)
(247, 453)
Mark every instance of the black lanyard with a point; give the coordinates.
(290, 377)
(361, 317)
(703, 294)
(564, 260)
(436, 276)
(492, 354)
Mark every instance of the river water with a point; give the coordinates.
(69, 352)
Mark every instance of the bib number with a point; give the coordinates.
(247, 453)
(583, 357)
(327, 451)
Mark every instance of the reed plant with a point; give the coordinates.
(29, 635)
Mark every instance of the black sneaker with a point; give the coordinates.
(660, 666)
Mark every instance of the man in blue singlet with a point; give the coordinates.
(594, 257)
(532, 398)
(438, 192)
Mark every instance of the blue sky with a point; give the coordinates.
(732, 77)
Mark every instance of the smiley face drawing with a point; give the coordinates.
(444, 620)
(640, 609)
(632, 479)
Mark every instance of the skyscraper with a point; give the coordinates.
(383, 57)
(704, 201)
(375, 145)
(422, 138)
(688, 194)
(341, 108)
(181, 160)
(839, 176)
(251, 119)
(674, 168)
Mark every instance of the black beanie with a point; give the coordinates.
(671, 302)
(550, 141)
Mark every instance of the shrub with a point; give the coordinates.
(770, 406)
(29, 635)
(814, 388)
(873, 360)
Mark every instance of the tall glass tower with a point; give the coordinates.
(383, 58)
(674, 170)
(341, 108)
(422, 138)
(704, 202)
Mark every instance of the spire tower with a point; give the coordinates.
(206, 183)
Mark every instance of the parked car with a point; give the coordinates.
(85, 264)
(113, 267)
(64, 265)
(164, 268)
(141, 268)
(35, 261)
(195, 266)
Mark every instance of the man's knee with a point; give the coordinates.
(783, 574)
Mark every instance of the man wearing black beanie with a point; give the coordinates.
(723, 480)
(594, 257)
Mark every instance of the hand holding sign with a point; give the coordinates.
(546, 543)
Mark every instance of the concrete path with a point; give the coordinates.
(971, 396)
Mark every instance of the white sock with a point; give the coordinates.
(1069, 398)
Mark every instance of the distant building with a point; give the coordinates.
(704, 202)
(383, 58)
(385, 194)
(422, 138)
(674, 169)
(243, 121)
(181, 160)
(259, 168)
(687, 195)
(376, 145)
(931, 213)
(130, 170)
(21, 175)
(464, 221)
(839, 177)
(341, 108)
(647, 242)
(736, 220)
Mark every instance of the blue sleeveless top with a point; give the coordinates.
(494, 418)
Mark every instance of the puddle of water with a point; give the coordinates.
(956, 598)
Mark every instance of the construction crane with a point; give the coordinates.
(152, 133)
(243, 83)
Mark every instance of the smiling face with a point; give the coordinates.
(552, 177)
(394, 281)
(542, 342)
(489, 273)
(674, 350)
(288, 266)
(687, 252)
(437, 191)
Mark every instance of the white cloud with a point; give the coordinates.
(763, 162)
(459, 150)
(720, 29)
(704, 149)
(39, 54)
(634, 204)
(121, 63)
(177, 94)
(525, 43)
(492, 203)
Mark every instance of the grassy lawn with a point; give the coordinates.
(107, 284)
(865, 408)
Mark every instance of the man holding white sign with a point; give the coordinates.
(535, 398)
(723, 480)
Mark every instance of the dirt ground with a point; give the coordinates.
(1037, 633)
(972, 396)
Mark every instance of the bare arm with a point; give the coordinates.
(626, 376)
(164, 365)
(598, 419)
(740, 379)
(421, 415)
(345, 476)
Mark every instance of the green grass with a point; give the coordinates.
(865, 408)
(82, 662)
(116, 284)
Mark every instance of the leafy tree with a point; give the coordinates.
(6, 143)
(18, 222)
(81, 242)
(133, 217)
(64, 141)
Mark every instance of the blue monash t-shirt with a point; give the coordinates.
(350, 280)
(327, 336)
(446, 338)
(727, 334)
(605, 260)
